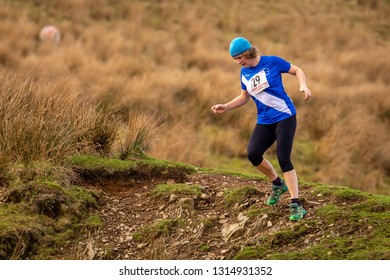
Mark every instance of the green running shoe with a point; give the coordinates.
(297, 212)
(277, 191)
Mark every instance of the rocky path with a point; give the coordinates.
(140, 225)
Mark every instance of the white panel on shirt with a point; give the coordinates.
(273, 102)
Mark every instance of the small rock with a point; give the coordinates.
(89, 251)
(233, 231)
(187, 203)
(210, 255)
(269, 224)
(173, 198)
(242, 217)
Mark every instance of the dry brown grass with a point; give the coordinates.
(47, 120)
(172, 56)
(141, 131)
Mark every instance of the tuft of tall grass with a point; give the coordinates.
(49, 120)
(141, 131)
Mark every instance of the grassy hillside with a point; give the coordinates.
(171, 59)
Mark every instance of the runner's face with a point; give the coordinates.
(242, 60)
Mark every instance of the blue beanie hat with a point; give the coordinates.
(239, 45)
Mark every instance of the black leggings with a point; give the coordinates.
(264, 136)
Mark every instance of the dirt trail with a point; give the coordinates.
(197, 227)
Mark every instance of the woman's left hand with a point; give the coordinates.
(306, 91)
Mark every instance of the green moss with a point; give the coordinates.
(13, 217)
(54, 186)
(144, 166)
(345, 194)
(94, 222)
(207, 223)
(254, 212)
(184, 189)
(43, 218)
(321, 189)
(139, 235)
(93, 163)
(152, 162)
(335, 248)
(347, 248)
(340, 193)
(161, 228)
(204, 248)
(376, 204)
(251, 253)
(237, 195)
(81, 196)
(330, 212)
(18, 230)
(291, 236)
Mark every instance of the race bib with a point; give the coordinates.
(258, 83)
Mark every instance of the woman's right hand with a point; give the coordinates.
(219, 108)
